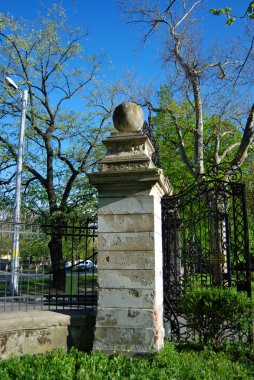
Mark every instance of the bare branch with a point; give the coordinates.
(64, 158)
(187, 13)
(247, 139)
(244, 63)
(227, 150)
(181, 144)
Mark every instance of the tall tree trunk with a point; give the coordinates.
(56, 254)
(218, 237)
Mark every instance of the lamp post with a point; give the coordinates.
(15, 255)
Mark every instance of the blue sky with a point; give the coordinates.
(109, 33)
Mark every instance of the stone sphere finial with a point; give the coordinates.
(128, 117)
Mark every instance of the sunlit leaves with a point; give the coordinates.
(64, 127)
(227, 11)
(174, 125)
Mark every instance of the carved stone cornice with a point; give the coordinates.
(127, 151)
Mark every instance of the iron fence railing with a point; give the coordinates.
(75, 261)
(205, 243)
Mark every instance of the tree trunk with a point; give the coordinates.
(219, 243)
(56, 254)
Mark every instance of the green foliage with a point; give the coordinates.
(212, 313)
(170, 363)
(47, 57)
(227, 11)
(175, 121)
(251, 10)
(55, 365)
(167, 138)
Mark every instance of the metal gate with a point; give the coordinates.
(36, 289)
(205, 242)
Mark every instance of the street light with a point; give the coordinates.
(15, 255)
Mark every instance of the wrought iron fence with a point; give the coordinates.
(38, 288)
(205, 243)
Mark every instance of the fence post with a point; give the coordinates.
(130, 187)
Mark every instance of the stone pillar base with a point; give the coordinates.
(130, 305)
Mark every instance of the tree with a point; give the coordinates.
(173, 117)
(198, 78)
(63, 144)
(198, 114)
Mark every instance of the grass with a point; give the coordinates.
(173, 362)
(35, 285)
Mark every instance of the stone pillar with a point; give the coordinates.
(130, 187)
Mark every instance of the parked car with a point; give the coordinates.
(68, 265)
(86, 265)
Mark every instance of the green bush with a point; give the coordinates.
(212, 314)
(170, 363)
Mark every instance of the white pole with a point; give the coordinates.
(15, 255)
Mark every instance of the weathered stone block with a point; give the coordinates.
(129, 223)
(39, 331)
(130, 260)
(132, 241)
(133, 340)
(136, 298)
(126, 279)
(129, 205)
(125, 317)
(129, 317)
(46, 339)
(126, 223)
(126, 259)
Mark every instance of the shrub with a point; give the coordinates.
(170, 363)
(212, 314)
